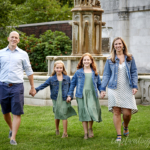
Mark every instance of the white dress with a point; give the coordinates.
(122, 96)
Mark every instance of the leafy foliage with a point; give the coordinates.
(17, 2)
(7, 18)
(42, 11)
(6, 9)
(14, 12)
(3, 37)
(50, 43)
(64, 2)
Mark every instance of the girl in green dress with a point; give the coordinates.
(87, 81)
(59, 84)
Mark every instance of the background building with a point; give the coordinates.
(130, 19)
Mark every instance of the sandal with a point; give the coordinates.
(57, 132)
(125, 129)
(64, 135)
(118, 139)
(86, 136)
(91, 133)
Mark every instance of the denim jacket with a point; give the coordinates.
(110, 74)
(54, 86)
(78, 80)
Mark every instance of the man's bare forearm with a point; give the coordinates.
(31, 80)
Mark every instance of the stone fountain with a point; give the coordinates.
(87, 27)
(87, 32)
(86, 36)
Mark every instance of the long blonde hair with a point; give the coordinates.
(125, 50)
(93, 65)
(59, 62)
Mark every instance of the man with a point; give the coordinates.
(13, 61)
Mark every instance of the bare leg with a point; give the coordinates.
(85, 126)
(126, 118)
(7, 118)
(117, 120)
(90, 129)
(65, 126)
(90, 124)
(57, 123)
(15, 126)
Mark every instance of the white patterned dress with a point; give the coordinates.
(122, 96)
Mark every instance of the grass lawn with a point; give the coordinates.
(37, 132)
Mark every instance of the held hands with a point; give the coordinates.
(103, 93)
(68, 99)
(134, 91)
(32, 92)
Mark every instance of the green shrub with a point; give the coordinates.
(49, 44)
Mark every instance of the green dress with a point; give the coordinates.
(61, 108)
(88, 106)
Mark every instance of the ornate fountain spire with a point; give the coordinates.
(87, 3)
(87, 27)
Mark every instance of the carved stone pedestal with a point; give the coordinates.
(87, 27)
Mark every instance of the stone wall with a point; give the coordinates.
(139, 38)
(130, 19)
(42, 98)
(39, 28)
(145, 89)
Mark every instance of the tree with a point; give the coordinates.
(64, 2)
(6, 19)
(15, 12)
(6, 9)
(42, 11)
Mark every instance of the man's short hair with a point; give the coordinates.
(14, 32)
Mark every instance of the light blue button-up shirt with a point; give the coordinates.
(12, 65)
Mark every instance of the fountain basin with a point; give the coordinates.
(72, 61)
(42, 98)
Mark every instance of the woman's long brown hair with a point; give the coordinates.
(125, 50)
(93, 65)
(59, 62)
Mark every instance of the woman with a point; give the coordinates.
(120, 73)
